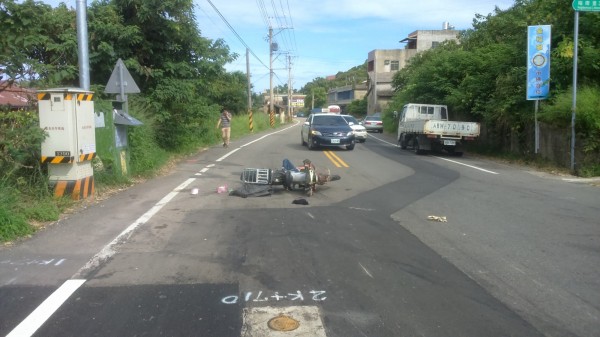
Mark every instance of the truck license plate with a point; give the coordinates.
(450, 142)
(335, 141)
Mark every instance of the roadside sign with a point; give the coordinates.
(121, 80)
(538, 61)
(586, 5)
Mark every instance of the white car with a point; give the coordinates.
(360, 133)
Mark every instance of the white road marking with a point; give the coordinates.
(471, 166)
(52, 303)
(108, 251)
(256, 321)
(452, 161)
(366, 271)
(35, 320)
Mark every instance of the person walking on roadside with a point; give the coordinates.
(225, 124)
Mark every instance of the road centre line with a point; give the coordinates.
(41, 314)
(337, 161)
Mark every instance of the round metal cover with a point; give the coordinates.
(283, 323)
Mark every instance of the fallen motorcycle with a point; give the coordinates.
(291, 177)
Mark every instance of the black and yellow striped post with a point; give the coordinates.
(250, 121)
(272, 119)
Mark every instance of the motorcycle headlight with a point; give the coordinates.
(315, 133)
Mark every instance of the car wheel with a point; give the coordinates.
(310, 144)
(350, 147)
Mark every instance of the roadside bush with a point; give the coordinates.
(12, 224)
(587, 123)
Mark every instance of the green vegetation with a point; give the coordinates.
(183, 86)
(320, 85)
(483, 78)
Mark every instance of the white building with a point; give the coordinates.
(383, 64)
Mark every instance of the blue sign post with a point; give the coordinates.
(538, 62)
(538, 69)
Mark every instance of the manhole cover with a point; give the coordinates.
(283, 323)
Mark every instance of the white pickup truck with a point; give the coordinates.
(425, 127)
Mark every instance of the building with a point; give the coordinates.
(280, 102)
(343, 96)
(14, 97)
(383, 64)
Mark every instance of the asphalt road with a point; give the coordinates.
(518, 255)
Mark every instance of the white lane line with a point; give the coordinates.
(471, 166)
(52, 303)
(366, 271)
(452, 161)
(109, 250)
(35, 320)
(254, 141)
(383, 141)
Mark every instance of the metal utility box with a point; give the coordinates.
(67, 116)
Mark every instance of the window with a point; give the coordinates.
(395, 65)
(434, 44)
(371, 66)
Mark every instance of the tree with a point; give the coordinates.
(39, 43)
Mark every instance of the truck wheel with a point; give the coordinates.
(416, 147)
(402, 142)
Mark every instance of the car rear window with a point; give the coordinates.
(329, 120)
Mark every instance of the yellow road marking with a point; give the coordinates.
(337, 161)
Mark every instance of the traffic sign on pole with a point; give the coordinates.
(586, 5)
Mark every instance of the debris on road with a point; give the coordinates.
(437, 218)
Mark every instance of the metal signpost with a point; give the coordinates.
(578, 6)
(538, 69)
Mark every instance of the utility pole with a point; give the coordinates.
(249, 82)
(82, 45)
(271, 103)
(290, 91)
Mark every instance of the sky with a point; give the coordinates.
(319, 38)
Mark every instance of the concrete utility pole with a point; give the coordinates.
(290, 91)
(271, 103)
(249, 82)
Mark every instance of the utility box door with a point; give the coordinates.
(67, 116)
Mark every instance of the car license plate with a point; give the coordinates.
(335, 141)
(450, 142)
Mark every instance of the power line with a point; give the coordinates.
(236, 34)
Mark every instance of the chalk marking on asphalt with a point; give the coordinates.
(366, 271)
(310, 215)
(362, 209)
(41, 314)
(471, 166)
